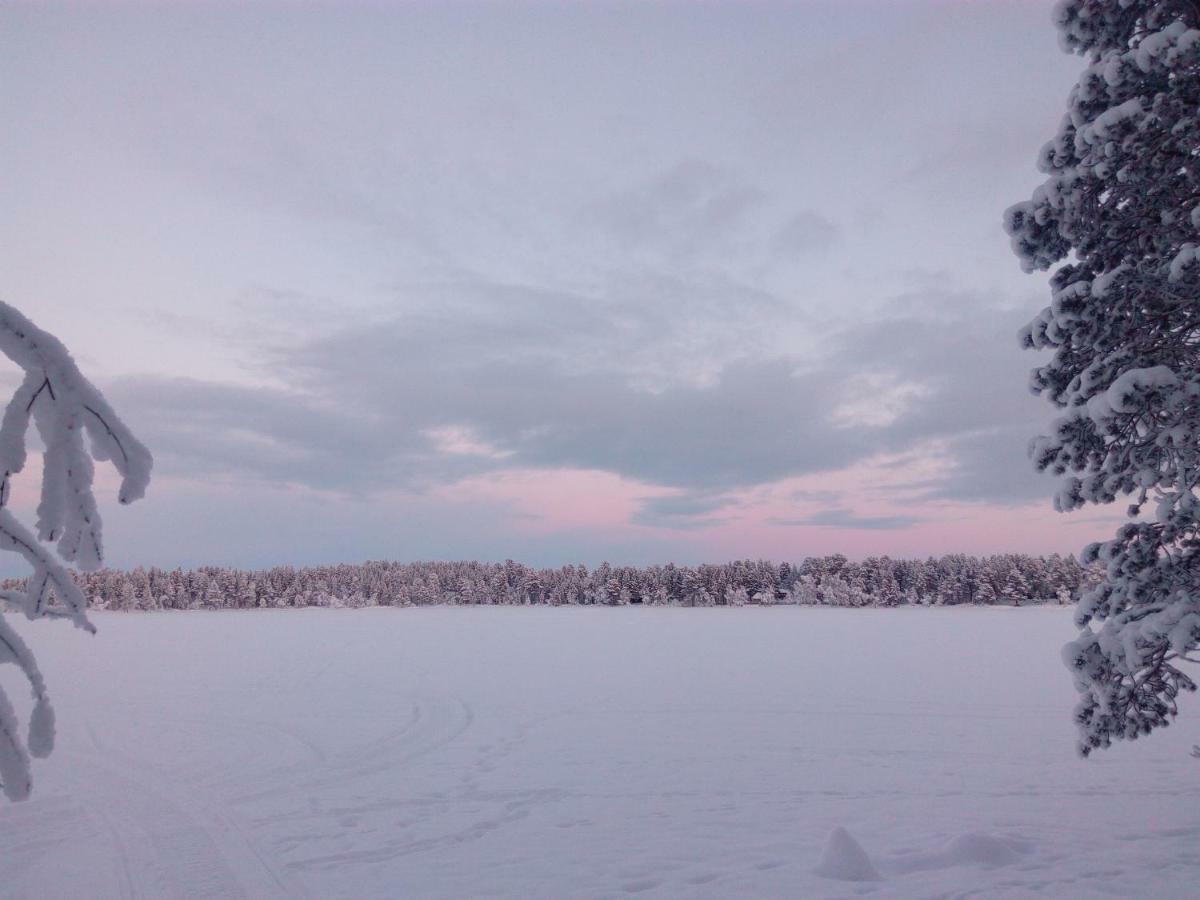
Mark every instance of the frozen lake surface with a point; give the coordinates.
(445, 752)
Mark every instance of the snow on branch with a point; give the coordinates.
(64, 406)
(1117, 221)
(14, 754)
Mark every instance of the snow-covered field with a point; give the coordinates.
(588, 752)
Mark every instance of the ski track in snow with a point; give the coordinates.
(167, 837)
(595, 753)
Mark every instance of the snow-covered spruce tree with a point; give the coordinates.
(64, 406)
(1118, 219)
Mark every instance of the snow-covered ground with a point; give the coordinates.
(589, 752)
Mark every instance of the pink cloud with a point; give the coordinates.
(772, 521)
(544, 500)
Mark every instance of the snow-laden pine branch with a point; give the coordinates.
(64, 405)
(1117, 219)
(76, 426)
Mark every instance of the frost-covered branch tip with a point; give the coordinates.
(64, 406)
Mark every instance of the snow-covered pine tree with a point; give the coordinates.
(1015, 589)
(1118, 218)
(64, 406)
(985, 594)
(126, 599)
(803, 591)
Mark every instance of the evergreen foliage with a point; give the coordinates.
(1118, 220)
(822, 581)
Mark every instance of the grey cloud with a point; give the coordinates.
(962, 350)
(551, 379)
(212, 430)
(826, 497)
(363, 430)
(690, 510)
(651, 328)
(993, 465)
(844, 518)
(544, 377)
(597, 228)
(687, 208)
(804, 233)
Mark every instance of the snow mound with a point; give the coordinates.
(845, 859)
(982, 849)
(970, 849)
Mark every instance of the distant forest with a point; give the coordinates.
(820, 581)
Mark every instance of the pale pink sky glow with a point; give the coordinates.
(555, 499)
(557, 282)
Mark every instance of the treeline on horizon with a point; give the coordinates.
(953, 580)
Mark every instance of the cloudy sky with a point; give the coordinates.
(556, 282)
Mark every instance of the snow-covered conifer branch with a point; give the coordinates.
(1118, 221)
(64, 406)
(15, 777)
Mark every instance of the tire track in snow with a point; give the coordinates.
(505, 807)
(514, 806)
(168, 841)
(160, 849)
(436, 722)
(433, 723)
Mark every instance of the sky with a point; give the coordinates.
(557, 282)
